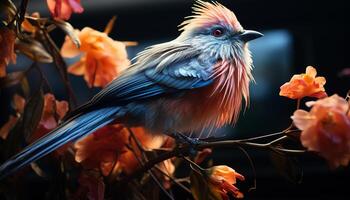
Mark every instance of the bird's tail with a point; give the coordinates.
(74, 128)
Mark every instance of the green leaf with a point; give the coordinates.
(34, 50)
(12, 79)
(287, 166)
(69, 30)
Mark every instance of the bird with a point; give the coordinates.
(195, 82)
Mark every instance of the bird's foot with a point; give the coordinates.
(183, 140)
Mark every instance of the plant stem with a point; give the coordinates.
(185, 149)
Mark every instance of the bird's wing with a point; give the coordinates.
(148, 79)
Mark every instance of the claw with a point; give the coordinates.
(182, 139)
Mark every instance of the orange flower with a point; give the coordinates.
(63, 9)
(303, 85)
(7, 45)
(326, 129)
(106, 149)
(102, 60)
(102, 148)
(220, 180)
(53, 112)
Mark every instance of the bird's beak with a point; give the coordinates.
(249, 35)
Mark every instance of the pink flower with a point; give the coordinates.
(63, 9)
(326, 129)
(53, 112)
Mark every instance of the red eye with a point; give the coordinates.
(218, 32)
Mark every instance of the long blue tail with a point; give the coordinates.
(76, 127)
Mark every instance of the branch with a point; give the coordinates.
(183, 150)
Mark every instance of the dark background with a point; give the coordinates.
(298, 34)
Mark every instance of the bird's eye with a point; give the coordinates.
(218, 32)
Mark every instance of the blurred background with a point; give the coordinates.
(297, 34)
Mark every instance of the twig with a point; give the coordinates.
(174, 180)
(298, 103)
(154, 178)
(251, 165)
(185, 149)
(277, 140)
(138, 143)
(347, 98)
(194, 164)
(263, 137)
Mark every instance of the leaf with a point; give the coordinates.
(287, 166)
(36, 21)
(38, 170)
(32, 113)
(12, 79)
(25, 87)
(7, 6)
(25, 125)
(69, 30)
(34, 50)
(61, 65)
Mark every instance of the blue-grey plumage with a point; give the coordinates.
(194, 82)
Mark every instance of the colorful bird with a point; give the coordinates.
(192, 83)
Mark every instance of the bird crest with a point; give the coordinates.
(209, 13)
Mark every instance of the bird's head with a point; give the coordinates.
(214, 28)
(215, 31)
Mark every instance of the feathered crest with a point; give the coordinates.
(206, 14)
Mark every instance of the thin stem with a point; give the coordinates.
(298, 103)
(194, 164)
(183, 150)
(348, 99)
(277, 140)
(42, 75)
(154, 178)
(186, 180)
(263, 137)
(138, 143)
(178, 183)
(294, 151)
(251, 165)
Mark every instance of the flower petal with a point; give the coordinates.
(302, 119)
